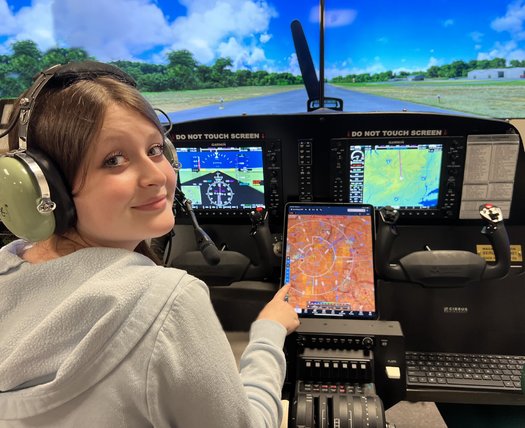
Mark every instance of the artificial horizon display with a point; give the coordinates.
(222, 178)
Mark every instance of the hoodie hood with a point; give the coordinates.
(65, 319)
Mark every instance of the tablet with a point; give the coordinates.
(328, 260)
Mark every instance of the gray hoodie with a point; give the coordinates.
(103, 337)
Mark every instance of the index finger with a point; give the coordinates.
(281, 294)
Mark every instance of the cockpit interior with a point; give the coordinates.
(447, 191)
(453, 287)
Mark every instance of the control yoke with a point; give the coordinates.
(442, 268)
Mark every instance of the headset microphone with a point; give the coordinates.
(207, 247)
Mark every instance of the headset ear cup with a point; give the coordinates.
(170, 152)
(20, 195)
(65, 212)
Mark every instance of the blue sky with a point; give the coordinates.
(360, 36)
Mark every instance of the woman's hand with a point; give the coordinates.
(278, 309)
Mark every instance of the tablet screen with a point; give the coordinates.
(328, 253)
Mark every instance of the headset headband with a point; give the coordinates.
(27, 103)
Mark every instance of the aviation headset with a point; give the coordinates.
(35, 202)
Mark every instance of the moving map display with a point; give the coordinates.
(328, 260)
(222, 178)
(402, 176)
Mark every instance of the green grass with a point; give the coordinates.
(171, 101)
(505, 99)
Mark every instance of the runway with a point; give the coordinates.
(295, 102)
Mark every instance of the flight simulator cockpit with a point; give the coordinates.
(447, 245)
(401, 233)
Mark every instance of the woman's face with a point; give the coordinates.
(128, 191)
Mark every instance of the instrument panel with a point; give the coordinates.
(432, 167)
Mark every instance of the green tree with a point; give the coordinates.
(221, 74)
(26, 60)
(285, 79)
(182, 69)
(244, 77)
(18, 69)
(433, 71)
(472, 65)
(517, 63)
(259, 77)
(63, 56)
(203, 76)
(154, 82)
(497, 63)
(457, 69)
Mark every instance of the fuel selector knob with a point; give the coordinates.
(368, 342)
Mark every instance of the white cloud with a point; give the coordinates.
(240, 56)
(293, 65)
(265, 38)
(344, 68)
(507, 50)
(110, 30)
(448, 23)
(432, 62)
(33, 23)
(511, 23)
(334, 17)
(7, 19)
(127, 29)
(208, 23)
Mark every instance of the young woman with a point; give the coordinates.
(92, 331)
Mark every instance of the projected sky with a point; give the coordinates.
(361, 35)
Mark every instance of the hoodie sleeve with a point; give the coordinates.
(193, 380)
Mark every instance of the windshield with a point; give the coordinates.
(206, 58)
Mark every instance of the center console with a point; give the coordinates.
(344, 373)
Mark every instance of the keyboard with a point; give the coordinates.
(476, 372)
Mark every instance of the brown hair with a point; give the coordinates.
(66, 121)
